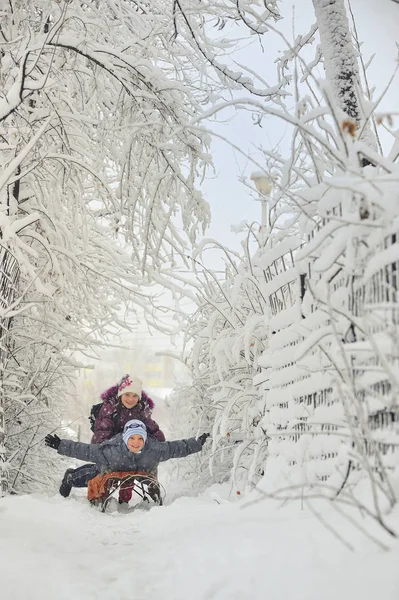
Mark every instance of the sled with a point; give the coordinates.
(144, 485)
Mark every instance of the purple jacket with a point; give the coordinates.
(113, 416)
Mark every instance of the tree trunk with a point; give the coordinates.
(340, 63)
(340, 60)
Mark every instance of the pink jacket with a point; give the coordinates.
(113, 416)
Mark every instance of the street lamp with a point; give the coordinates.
(264, 186)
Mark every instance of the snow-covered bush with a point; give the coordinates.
(327, 384)
(223, 340)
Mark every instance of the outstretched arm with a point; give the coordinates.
(87, 452)
(179, 448)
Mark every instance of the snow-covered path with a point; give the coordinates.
(193, 549)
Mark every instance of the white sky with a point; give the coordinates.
(377, 22)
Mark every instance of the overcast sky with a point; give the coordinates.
(378, 27)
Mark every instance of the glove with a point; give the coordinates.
(53, 441)
(202, 438)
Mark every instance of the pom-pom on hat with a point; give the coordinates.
(134, 427)
(131, 384)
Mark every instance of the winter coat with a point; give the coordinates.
(114, 455)
(113, 416)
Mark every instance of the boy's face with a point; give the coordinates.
(129, 400)
(135, 443)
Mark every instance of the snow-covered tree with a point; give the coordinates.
(97, 156)
(340, 59)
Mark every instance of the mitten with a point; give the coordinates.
(53, 441)
(202, 438)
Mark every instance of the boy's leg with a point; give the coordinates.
(77, 478)
(126, 491)
(153, 488)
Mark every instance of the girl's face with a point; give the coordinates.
(135, 443)
(129, 400)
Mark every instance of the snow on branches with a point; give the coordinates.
(294, 354)
(99, 167)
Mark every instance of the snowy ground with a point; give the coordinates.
(193, 549)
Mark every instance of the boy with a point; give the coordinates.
(132, 450)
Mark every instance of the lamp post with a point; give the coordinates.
(263, 186)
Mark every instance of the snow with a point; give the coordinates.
(198, 548)
(384, 258)
(340, 57)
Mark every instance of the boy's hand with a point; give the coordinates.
(202, 438)
(53, 441)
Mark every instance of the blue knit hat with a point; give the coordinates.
(134, 427)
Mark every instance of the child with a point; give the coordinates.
(121, 403)
(132, 450)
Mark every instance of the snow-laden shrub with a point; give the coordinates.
(323, 377)
(332, 411)
(325, 342)
(223, 340)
